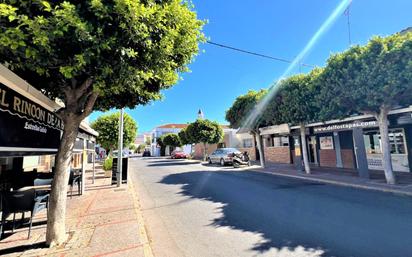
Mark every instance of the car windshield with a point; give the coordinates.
(231, 150)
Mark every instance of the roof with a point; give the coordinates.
(86, 127)
(173, 125)
(353, 118)
(11, 80)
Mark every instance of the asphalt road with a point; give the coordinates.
(197, 210)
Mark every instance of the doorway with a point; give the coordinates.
(312, 152)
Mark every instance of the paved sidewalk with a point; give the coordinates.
(105, 221)
(344, 177)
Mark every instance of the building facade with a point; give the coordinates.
(350, 143)
(157, 132)
(30, 134)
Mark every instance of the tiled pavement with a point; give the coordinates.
(344, 177)
(105, 221)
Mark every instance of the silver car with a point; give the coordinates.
(222, 156)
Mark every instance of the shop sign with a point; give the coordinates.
(326, 143)
(345, 126)
(399, 162)
(25, 124)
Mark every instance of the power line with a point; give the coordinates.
(256, 54)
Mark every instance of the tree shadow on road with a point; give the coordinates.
(292, 214)
(166, 164)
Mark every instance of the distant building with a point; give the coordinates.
(157, 132)
(143, 138)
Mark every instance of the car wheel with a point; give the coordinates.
(209, 160)
(222, 162)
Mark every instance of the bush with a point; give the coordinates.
(108, 163)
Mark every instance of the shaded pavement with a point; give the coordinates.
(102, 222)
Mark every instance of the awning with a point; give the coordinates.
(28, 126)
(276, 129)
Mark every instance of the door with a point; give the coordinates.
(312, 153)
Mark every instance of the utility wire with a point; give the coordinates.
(256, 54)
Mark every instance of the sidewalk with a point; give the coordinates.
(344, 177)
(105, 221)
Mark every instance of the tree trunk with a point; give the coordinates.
(56, 216)
(304, 148)
(79, 102)
(204, 152)
(382, 118)
(258, 139)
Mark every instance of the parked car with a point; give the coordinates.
(146, 153)
(223, 156)
(178, 155)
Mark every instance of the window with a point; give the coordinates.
(247, 143)
(396, 142)
(276, 141)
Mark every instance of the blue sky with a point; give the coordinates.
(278, 28)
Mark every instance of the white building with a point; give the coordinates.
(167, 129)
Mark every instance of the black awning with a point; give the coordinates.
(26, 128)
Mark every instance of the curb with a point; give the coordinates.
(338, 183)
(147, 249)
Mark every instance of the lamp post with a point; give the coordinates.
(120, 150)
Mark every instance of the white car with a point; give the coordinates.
(222, 156)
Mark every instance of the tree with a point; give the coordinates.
(108, 128)
(171, 140)
(140, 148)
(95, 55)
(241, 109)
(184, 139)
(295, 104)
(370, 79)
(206, 132)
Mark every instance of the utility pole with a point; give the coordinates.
(120, 150)
(347, 14)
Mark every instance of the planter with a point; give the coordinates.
(108, 173)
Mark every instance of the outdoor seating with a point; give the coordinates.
(21, 201)
(75, 178)
(41, 191)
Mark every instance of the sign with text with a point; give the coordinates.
(399, 162)
(326, 143)
(346, 126)
(27, 125)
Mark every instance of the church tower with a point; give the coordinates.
(200, 114)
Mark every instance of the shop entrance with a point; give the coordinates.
(312, 153)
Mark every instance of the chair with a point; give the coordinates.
(75, 179)
(21, 201)
(42, 182)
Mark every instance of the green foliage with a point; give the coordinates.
(242, 107)
(140, 148)
(204, 131)
(108, 163)
(184, 139)
(108, 127)
(128, 50)
(171, 139)
(294, 102)
(366, 78)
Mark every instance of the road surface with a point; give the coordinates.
(199, 210)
